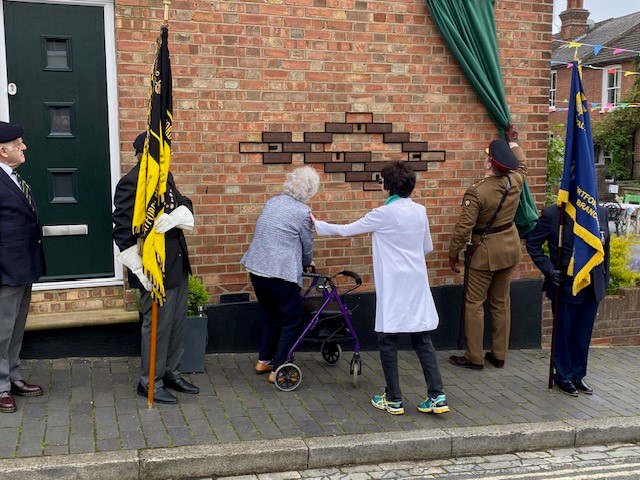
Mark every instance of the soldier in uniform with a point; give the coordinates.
(496, 249)
(172, 315)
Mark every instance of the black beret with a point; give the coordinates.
(502, 156)
(138, 143)
(10, 131)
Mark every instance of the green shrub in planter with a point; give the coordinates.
(195, 330)
(623, 271)
(198, 297)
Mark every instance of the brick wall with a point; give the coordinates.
(617, 323)
(98, 298)
(241, 68)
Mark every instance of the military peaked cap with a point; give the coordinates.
(502, 156)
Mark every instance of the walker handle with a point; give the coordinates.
(353, 275)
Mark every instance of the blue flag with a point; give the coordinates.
(578, 190)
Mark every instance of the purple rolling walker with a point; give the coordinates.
(330, 322)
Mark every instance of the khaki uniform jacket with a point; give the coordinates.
(498, 250)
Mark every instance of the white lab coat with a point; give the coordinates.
(401, 239)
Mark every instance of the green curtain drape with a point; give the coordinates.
(469, 29)
(470, 32)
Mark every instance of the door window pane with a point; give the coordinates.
(60, 120)
(63, 185)
(57, 53)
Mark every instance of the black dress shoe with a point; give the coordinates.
(161, 395)
(567, 388)
(462, 361)
(180, 385)
(493, 360)
(582, 387)
(7, 402)
(23, 389)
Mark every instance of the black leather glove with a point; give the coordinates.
(556, 276)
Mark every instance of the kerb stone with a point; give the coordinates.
(605, 431)
(238, 458)
(497, 439)
(376, 448)
(87, 466)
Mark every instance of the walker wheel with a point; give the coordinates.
(288, 377)
(331, 352)
(356, 369)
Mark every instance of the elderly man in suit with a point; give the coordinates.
(172, 315)
(575, 314)
(488, 209)
(21, 264)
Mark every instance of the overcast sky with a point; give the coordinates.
(600, 9)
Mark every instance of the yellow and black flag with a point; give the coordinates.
(154, 169)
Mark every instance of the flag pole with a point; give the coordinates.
(557, 297)
(154, 304)
(166, 11)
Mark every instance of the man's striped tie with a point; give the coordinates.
(25, 189)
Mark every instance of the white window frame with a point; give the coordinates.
(552, 88)
(611, 89)
(603, 157)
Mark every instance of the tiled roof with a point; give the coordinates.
(621, 32)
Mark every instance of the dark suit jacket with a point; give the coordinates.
(177, 257)
(21, 252)
(547, 229)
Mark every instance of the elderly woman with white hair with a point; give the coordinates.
(282, 245)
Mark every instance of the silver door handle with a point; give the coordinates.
(62, 230)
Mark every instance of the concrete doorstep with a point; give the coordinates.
(268, 456)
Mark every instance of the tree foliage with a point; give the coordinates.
(555, 163)
(615, 133)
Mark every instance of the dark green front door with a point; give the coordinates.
(57, 89)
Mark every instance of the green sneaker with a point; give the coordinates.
(381, 403)
(434, 405)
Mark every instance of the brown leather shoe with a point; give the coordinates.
(263, 367)
(462, 361)
(493, 360)
(272, 377)
(7, 402)
(23, 389)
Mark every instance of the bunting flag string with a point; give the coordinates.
(596, 48)
(607, 107)
(608, 69)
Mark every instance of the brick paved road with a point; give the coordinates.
(90, 405)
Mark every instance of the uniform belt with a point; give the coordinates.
(490, 230)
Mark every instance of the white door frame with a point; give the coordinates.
(112, 112)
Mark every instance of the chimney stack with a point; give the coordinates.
(574, 20)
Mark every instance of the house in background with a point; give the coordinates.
(608, 51)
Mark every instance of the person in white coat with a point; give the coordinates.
(404, 304)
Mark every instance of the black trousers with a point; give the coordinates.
(574, 326)
(281, 312)
(421, 342)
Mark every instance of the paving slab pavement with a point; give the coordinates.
(90, 417)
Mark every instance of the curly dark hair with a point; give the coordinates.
(399, 179)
